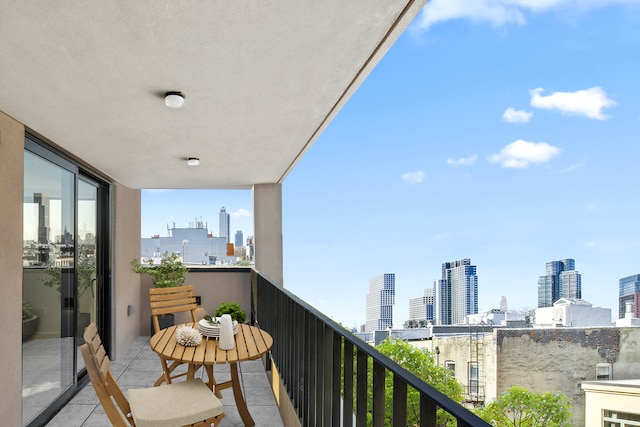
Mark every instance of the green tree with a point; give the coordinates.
(518, 407)
(422, 364)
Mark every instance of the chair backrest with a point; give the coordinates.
(97, 363)
(172, 300)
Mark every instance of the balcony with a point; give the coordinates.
(312, 360)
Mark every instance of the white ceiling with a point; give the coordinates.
(262, 79)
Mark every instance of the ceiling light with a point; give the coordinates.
(193, 161)
(174, 99)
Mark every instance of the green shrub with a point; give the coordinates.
(27, 311)
(233, 309)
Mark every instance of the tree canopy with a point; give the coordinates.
(422, 364)
(518, 407)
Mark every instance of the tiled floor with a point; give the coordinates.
(141, 367)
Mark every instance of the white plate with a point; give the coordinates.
(213, 331)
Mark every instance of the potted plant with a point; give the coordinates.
(170, 272)
(233, 309)
(29, 320)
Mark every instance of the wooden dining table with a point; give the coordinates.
(251, 343)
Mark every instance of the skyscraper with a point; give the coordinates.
(421, 308)
(629, 291)
(239, 239)
(456, 294)
(223, 224)
(380, 300)
(561, 281)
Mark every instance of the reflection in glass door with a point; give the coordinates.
(63, 257)
(86, 259)
(48, 257)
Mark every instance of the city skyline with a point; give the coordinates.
(504, 133)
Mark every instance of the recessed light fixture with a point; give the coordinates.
(193, 161)
(174, 99)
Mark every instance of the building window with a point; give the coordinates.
(604, 371)
(620, 419)
(451, 365)
(474, 385)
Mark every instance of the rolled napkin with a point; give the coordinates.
(227, 340)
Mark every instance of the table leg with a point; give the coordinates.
(239, 397)
(213, 385)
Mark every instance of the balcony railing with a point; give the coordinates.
(315, 359)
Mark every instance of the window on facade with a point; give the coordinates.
(474, 384)
(450, 365)
(620, 419)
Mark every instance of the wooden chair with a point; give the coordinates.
(173, 300)
(187, 403)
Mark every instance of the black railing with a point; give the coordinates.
(315, 359)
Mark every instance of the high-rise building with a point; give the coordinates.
(629, 291)
(239, 239)
(456, 293)
(561, 281)
(223, 223)
(380, 300)
(421, 308)
(503, 304)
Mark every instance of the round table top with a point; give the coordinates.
(250, 343)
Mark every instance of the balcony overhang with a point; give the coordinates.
(261, 79)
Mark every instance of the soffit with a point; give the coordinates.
(262, 79)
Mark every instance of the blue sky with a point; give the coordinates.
(505, 131)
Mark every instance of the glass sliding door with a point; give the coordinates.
(62, 247)
(86, 259)
(48, 353)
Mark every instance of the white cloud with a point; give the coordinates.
(501, 12)
(413, 177)
(520, 154)
(463, 161)
(516, 116)
(573, 167)
(240, 213)
(586, 102)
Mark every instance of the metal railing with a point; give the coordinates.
(315, 359)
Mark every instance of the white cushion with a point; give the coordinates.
(175, 404)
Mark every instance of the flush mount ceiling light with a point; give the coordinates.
(174, 99)
(193, 161)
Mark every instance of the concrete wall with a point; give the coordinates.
(559, 359)
(267, 208)
(458, 349)
(125, 246)
(11, 188)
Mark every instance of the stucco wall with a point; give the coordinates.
(267, 206)
(125, 244)
(559, 359)
(459, 349)
(11, 188)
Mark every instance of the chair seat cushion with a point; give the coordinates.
(175, 404)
